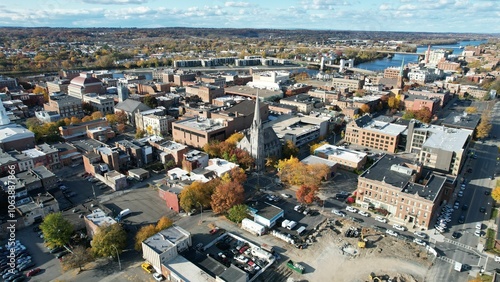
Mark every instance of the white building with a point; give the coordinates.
(157, 125)
(165, 245)
(102, 103)
(270, 80)
(346, 158)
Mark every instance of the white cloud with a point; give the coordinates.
(321, 4)
(115, 2)
(236, 4)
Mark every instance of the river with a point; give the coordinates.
(381, 64)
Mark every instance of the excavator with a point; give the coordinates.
(362, 240)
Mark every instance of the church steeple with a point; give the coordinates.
(256, 116)
(257, 137)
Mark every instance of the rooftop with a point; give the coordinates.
(463, 120)
(166, 239)
(172, 145)
(34, 153)
(220, 166)
(43, 172)
(340, 152)
(386, 128)
(202, 124)
(99, 218)
(317, 160)
(187, 270)
(87, 145)
(428, 191)
(264, 94)
(445, 138)
(265, 210)
(12, 132)
(392, 170)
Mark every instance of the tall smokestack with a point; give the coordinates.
(428, 54)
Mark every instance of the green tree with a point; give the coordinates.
(139, 133)
(237, 213)
(56, 230)
(150, 101)
(107, 238)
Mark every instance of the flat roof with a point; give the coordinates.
(445, 138)
(43, 171)
(166, 239)
(99, 218)
(264, 94)
(202, 124)
(341, 153)
(462, 120)
(34, 153)
(367, 123)
(12, 132)
(391, 170)
(172, 145)
(266, 210)
(187, 270)
(429, 191)
(220, 166)
(317, 160)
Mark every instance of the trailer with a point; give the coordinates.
(458, 266)
(285, 222)
(253, 227)
(296, 266)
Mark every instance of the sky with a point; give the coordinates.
(477, 16)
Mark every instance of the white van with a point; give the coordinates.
(291, 225)
(285, 223)
(122, 214)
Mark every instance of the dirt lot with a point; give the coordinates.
(329, 258)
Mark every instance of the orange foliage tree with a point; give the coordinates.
(226, 196)
(295, 172)
(307, 194)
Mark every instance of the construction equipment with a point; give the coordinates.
(362, 240)
(374, 278)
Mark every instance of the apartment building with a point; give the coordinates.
(58, 85)
(96, 220)
(168, 150)
(304, 103)
(102, 103)
(345, 158)
(16, 137)
(66, 106)
(206, 92)
(8, 82)
(443, 96)
(76, 131)
(300, 130)
(393, 72)
(417, 102)
(438, 147)
(410, 195)
(352, 84)
(380, 135)
(240, 116)
(47, 117)
(198, 132)
(325, 96)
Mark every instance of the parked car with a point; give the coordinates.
(478, 233)
(351, 209)
(33, 272)
(241, 259)
(420, 234)
(286, 196)
(339, 213)
(147, 267)
(455, 235)
(419, 242)
(482, 209)
(399, 227)
(497, 258)
(381, 219)
(487, 192)
(363, 213)
(461, 219)
(158, 277)
(392, 232)
(62, 254)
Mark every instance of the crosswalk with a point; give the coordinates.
(459, 244)
(446, 259)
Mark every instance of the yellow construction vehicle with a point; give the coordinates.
(374, 277)
(362, 241)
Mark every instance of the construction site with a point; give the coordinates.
(340, 250)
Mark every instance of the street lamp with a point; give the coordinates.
(118, 255)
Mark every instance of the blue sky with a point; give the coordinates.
(481, 16)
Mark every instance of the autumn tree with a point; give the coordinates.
(393, 103)
(107, 238)
(56, 230)
(471, 110)
(294, 172)
(78, 259)
(237, 213)
(197, 193)
(424, 115)
(120, 127)
(111, 118)
(364, 109)
(75, 120)
(484, 127)
(307, 194)
(316, 146)
(41, 91)
(290, 150)
(234, 138)
(163, 223)
(139, 133)
(226, 196)
(96, 115)
(236, 174)
(121, 117)
(495, 194)
(86, 118)
(144, 233)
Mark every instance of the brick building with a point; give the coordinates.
(65, 106)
